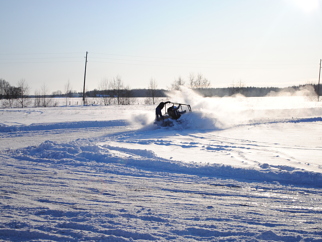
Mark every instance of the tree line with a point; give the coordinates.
(18, 96)
(116, 92)
(13, 94)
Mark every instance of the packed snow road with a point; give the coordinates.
(115, 202)
(86, 174)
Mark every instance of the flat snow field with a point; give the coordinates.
(234, 169)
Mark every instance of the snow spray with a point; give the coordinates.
(227, 112)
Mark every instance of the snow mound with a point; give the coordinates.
(118, 151)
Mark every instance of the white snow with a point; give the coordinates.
(234, 169)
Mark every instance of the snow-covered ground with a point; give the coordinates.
(235, 169)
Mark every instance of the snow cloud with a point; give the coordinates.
(226, 112)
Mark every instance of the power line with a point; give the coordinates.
(190, 61)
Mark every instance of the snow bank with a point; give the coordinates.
(137, 149)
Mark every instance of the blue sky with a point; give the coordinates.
(256, 42)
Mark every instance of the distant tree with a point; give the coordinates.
(23, 99)
(192, 80)
(57, 93)
(104, 85)
(152, 90)
(237, 87)
(37, 100)
(45, 101)
(117, 87)
(126, 96)
(4, 87)
(9, 93)
(198, 82)
(68, 91)
(177, 84)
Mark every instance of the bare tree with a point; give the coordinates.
(126, 96)
(45, 101)
(177, 84)
(192, 80)
(116, 87)
(237, 87)
(199, 82)
(23, 93)
(68, 91)
(152, 90)
(37, 100)
(104, 85)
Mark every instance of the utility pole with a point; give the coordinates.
(319, 80)
(84, 79)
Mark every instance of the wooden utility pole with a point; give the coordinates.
(84, 79)
(319, 80)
